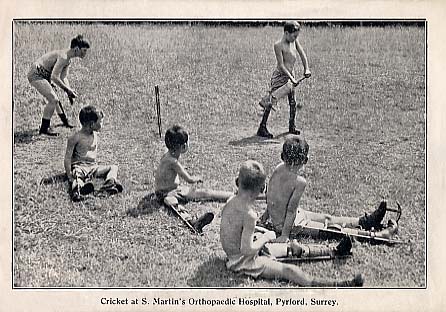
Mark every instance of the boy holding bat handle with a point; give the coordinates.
(286, 51)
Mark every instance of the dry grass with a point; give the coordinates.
(363, 115)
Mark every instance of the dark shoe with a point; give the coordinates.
(344, 248)
(264, 133)
(201, 222)
(357, 281)
(48, 132)
(112, 187)
(373, 220)
(75, 195)
(293, 130)
(87, 188)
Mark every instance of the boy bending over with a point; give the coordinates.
(285, 188)
(80, 158)
(238, 223)
(168, 190)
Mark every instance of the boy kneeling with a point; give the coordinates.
(238, 223)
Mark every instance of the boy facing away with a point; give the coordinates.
(168, 190)
(51, 68)
(286, 50)
(286, 187)
(237, 228)
(80, 158)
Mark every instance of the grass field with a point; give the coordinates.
(363, 116)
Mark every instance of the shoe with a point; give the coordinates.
(344, 248)
(48, 132)
(75, 195)
(293, 130)
(87, 188)
(374, 219)
(264, 133)
(201, 222)
(112, 187)
(356, 281)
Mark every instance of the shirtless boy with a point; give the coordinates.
(286, 50)
(286, 187)
(237, 227)
(80, 158)
(168, 190)
(51, 68)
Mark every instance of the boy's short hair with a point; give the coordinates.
(291, 26)
(89, 114)
(175, 137)
(295, 150)
(80, 42)
(251, 176)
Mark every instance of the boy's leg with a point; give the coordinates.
(205, 195)
(45, 89)
(263, 131)
(293, 110)
(277, 270)
(110, 175)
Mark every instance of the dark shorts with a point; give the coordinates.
(37, 72)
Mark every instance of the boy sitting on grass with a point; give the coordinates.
(237, 228)
(168, 190)
(80, 158)
(285, 188)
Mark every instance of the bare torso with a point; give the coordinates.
(289, 53)
(166, 178)
(231, 228)
(280, 188)
(49, 59)
(85, 150)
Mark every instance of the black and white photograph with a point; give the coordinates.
(210, 163)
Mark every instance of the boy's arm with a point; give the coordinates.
(64, 76)
(280, 64)
(291, 209)
(71, 144)
(56, 76)
(248, 245)
(303, 58)
(181, 171)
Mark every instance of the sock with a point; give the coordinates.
(64, 119)
(265, 117)
(45, 125)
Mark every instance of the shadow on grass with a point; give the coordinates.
(253, 140)
(213, 273)
(25, 136)
(147, 205)
(57, 178)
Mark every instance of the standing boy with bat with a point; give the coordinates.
(51, 68)
(286, 51)
(237, 228)
(168, 190)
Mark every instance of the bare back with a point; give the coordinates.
(233, 217)
(49, 60)
(166, 176)
(281, 188)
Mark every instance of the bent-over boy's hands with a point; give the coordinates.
(307, 73)
(71, 93)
